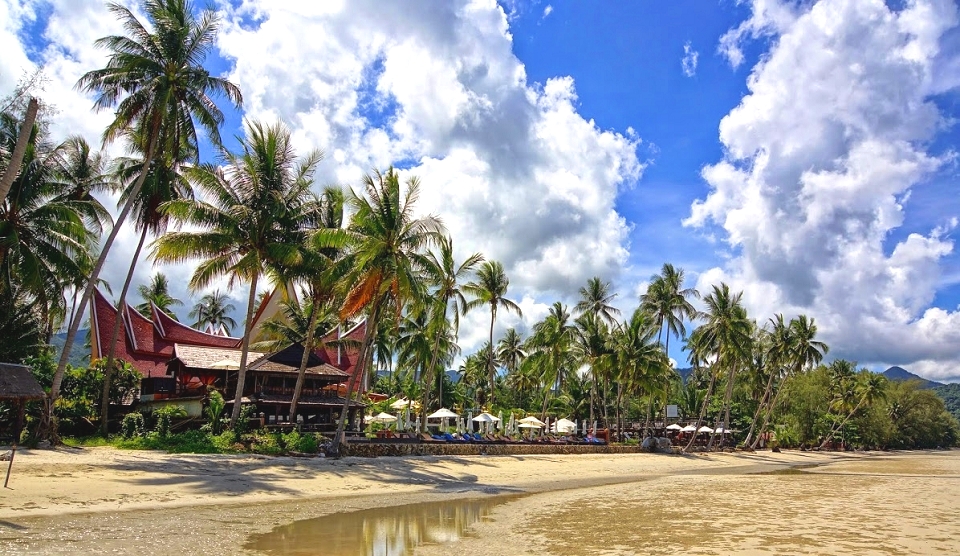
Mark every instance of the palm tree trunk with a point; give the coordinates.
(619, 412)
(766, 417)
(307, 350)
(835, 429)
(425, 397)
(49, 429)
(646, 423)
(490, 370)
(703, 408)
(19, 149)
(111, 350)
(726, 405)
(244, 350)
(361, 357)
(764, 401)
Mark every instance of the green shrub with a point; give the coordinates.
(215, 405)
(267, 443)
(132, 425)
(165, 415)
(297, 442)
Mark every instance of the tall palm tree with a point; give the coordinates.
(728, 332)
(701, 350)
(635, 358)
(668, 301)
(446, 278)
(870, 388)
(259, 211)
(157, 293)
(593, 335)
(386, 244)
(165, 182)
(155, 78)
(553, 350)
(595, 299)
(490, 289)
(320, 268)
(214, 310)
(796, 350)
(44, 242)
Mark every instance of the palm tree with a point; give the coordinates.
(44, 242)
(698, 344)
(593, 335)
(667, 300)
(386, 244)
(321, 269)
(510, 350)
(214, 310)
(490, 288)
(796, 350)
(157, 293)
(870, 388)
(728, 332)
(634, 357)
(260, 209)
(595, 300)
(553, 350)
(446, 277)
(155, 78)
(165, 182)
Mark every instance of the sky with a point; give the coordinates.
(802, 152)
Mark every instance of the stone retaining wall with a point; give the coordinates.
(375, 449)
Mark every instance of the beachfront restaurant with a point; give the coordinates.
(269, 385)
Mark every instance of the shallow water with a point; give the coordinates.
(394, 531)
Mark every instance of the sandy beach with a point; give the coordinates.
(102, 500)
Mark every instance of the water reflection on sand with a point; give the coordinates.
(394, 531)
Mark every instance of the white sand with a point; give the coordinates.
(101, 500)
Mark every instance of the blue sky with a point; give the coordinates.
(806, 157)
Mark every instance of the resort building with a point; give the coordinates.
(180, 364)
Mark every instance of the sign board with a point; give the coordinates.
(672, 412)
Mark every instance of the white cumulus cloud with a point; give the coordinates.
(821, 156)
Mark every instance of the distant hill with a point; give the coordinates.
(79, 353)
(899, 374)
(685, 373)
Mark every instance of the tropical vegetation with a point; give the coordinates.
(344, 255)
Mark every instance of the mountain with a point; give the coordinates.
(685, 373)
(899, 374)
(79, 353)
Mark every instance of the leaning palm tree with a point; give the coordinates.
(165, 182)
(490, 289)
(595, 299)
(259, 210)
(213, 310)
(870, 388)
(446, 278)
(728, 332)
(800, 351)
(157, 293)
(153, 81)
(386, 243)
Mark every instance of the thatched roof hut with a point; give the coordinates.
(18, 384)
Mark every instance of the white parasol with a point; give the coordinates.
(674, 427)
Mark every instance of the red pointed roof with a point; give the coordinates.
(178, 332)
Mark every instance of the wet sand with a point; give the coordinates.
(101, 500)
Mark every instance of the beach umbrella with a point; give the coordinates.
(689, 428)
(226, 364)
(443, 414)
(565, 425)
(722, 430)
(500, 422)
(531, 420)
(674, 427)
(705, 429)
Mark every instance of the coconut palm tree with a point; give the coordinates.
(592, 336)
(213, 310)
(728, 332)
(635, 358)
(797, 349)
(668, 301)
(510, 350)
(157, 293)
(869, 388)
(154, 81)
(446, 278)
(44, 242)
(553, 349)
(490, 289)
(259, 211)
(386, 245)
(595, 299)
